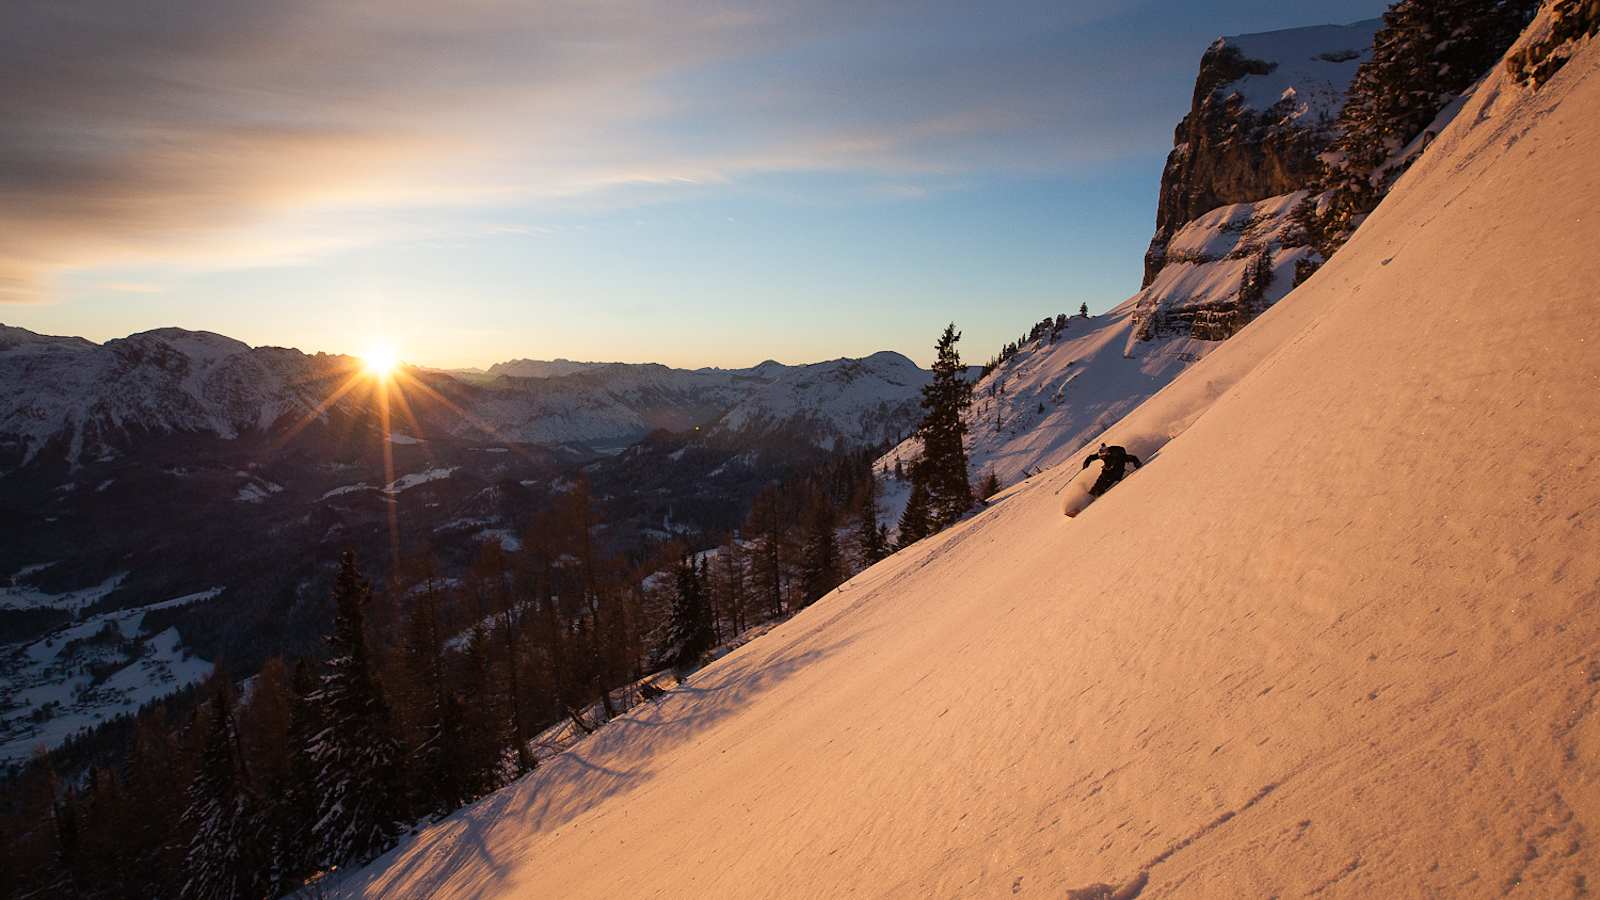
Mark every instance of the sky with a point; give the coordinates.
(693, 183)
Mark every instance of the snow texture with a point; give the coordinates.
(1338, 637)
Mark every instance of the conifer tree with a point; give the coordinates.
(1425, 55)
(267, 747)
(870, 537)
(915, 521)
(487, 729)
(989, 486)
(359, 798)
(221, 862)
(943, 467)
(155, 780)
(731, 565)
(769, 561)
(33, 848)
(294, 847)
(689, 625)
(436, 761)
(1083, 310)
(822, 570)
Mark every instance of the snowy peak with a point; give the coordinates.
(200, 346)
(539, 368)
(1300, 73)
(21, 341)
(855, 401)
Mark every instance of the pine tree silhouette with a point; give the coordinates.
(221, 862)
(359, 795)
(943, 467)
(915, 521)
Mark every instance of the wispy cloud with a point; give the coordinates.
(238, 132)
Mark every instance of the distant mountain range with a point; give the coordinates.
(175, 498)
(73, 399)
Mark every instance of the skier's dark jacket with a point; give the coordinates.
(1116, 461)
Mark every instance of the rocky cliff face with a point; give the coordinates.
(1264, 107)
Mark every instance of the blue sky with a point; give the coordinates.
(694, 184)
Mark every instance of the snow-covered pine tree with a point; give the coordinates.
(872, 543)
(1424, 56)
(689, 623)
(435, 710)
(991, 482)
(943, 467)
(821, 568)
(360, 801)
(222, 862)
(915, 520)
(293, 847)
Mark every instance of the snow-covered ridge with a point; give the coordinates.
(88, 399)
(89, 396)
(541, 368)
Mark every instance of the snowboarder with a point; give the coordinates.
(1114, 462)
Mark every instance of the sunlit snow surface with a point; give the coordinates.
(1337, 637)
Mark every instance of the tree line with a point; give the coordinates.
(430, 694)
(433, 692)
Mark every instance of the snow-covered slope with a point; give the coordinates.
(1337, 638)
(1040, 406)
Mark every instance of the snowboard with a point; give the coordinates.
(1077, 497)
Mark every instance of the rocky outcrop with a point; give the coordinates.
(1264, 106)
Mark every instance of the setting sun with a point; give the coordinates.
(380, 360)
